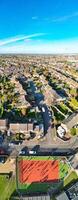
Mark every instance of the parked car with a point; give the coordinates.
(43, 109)
(32, 152)
(23, 151)
(2, 160)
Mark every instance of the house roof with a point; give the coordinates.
(23, 127)
(73, 191)
(30, 126)
(20, 127)
(62, 196)
(3, 123)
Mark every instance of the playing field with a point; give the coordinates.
(7, 187)
(38, 173)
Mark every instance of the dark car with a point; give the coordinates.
(2, 160)
(23, 151)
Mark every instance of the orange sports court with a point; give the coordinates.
(36, 171)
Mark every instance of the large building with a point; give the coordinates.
(70, 194)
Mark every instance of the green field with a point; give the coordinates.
(71, 178)
(7, 187)
(64, 169)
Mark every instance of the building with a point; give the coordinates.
(30, 127)
(20, 127)
(60, 131)
(70, 194)
(62, 196)
(70, 122)
(3, 125)
(67, 124)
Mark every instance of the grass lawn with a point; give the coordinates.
(74, 103)
(7, 187)
(74, 131)
(64, 170)
(62, 108)
(72, 177)
(36, 187)
(36, 158)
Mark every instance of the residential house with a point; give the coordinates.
(3, 125)
(70, 122)
(21, 128)
(67, 124)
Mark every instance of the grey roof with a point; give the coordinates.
(73, 191)
(71, 121)
(76, 198)
(62, 196)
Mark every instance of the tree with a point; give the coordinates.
(73, 131)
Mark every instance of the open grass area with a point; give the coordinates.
(7, 187)
(36, 158)
(73, 103)
(36, 185)
(72, 177)
(64, 169)
(62, 108)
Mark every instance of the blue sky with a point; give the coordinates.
(38, 26)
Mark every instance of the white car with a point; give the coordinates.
(43, 109)
(32, 152)
(11, 144)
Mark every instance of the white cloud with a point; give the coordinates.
(64, 18)
(61, 18)
(19, 38)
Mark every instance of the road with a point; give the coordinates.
(42, 151)
(48, 130)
